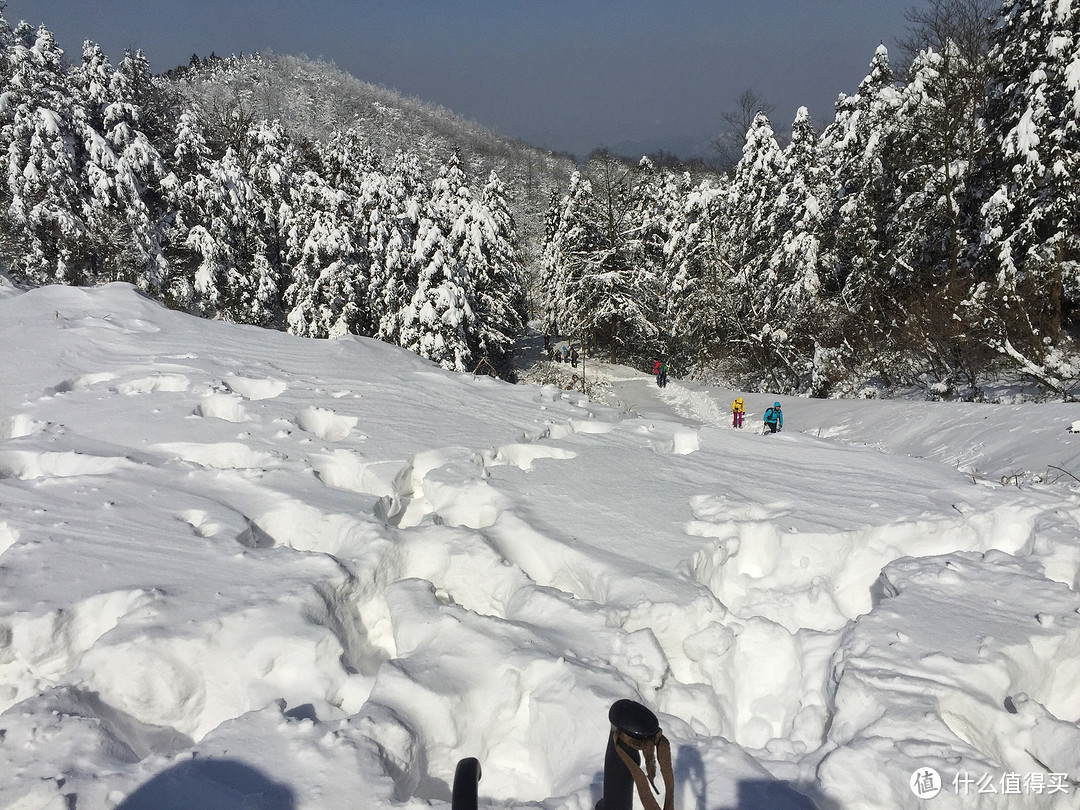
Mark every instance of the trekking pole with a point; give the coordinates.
(466, 778)
(631, 724)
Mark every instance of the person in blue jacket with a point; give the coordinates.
(774, 418)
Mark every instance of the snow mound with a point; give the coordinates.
(155, 382)
(8, 537)
(347, 469)
(953, 643)
(29, 464)
(227, 407)
(43, 648)
(325, 423)
(219, 455)
(19, 425)
(250, 388)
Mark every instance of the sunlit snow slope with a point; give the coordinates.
(242, 569)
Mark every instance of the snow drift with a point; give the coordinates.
(245, 569)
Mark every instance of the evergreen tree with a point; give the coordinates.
(655, 211)
(856, 258)
(439, 320)
(221, 238)
(930, 177)
(274, 164)
(42, 219)
(498, 276)
(328, 284)
(549, 263)
(395, 203)
(692, 292)
(569, 261)
(134, 83)
(752, 288)
(189, 170)
(435, 322)
(91, 84)
(927, 230)
(794, 264)
(1032, 181)
(621, 298)
(134, 252)
(7, 42)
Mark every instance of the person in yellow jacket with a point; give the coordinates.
(738, 410)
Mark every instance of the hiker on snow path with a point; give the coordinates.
(738, 411)
(774, 418)
(661, 370)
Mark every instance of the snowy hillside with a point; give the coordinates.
(313, 99)
(244, 569)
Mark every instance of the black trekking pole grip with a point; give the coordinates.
(633, 720)
(466, 779)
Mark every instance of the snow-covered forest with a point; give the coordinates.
(926, 237)
(177, 184)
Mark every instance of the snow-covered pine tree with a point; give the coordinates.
(129, 234)
(6, 44)
(438, 321)
(498, 276)
(569, 262)
(856, 259)
(189, 169)
(395, 203)
(931, 175)
(621, 296)
(385, 231)
(7, 112)
(15, 91)
(572, 264)
(346, 160)
(221, 238)
(328, 281)
(549, 263)
(693, 292)
(932, 152)
(655, 206)
(155, 105)
(45, 233)
(273, 166)
(1032, 181)
(101, 207)
(354, 170)
(752, 288)
(90, 84)
(481, 244)
(798, 310)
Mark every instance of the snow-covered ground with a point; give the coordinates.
(241, 569)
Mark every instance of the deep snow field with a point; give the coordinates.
(240, 569)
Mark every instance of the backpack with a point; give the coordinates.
(656, 367)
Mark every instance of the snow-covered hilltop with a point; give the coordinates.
(241, 568)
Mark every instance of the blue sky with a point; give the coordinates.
(567, 74)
